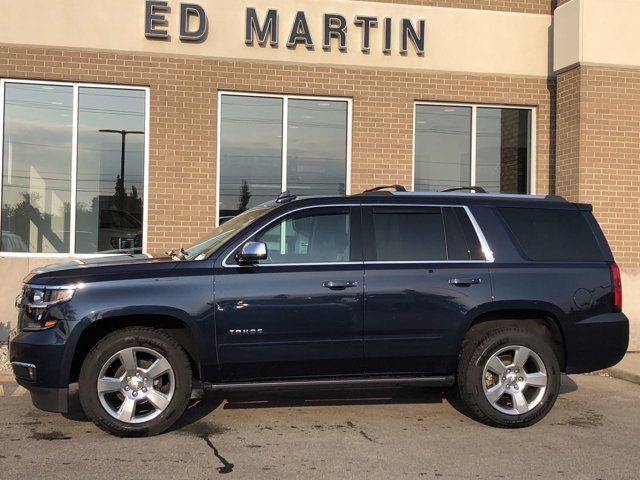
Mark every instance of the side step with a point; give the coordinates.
(445, 381)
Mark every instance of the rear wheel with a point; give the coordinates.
(135, 382)
(508, 376)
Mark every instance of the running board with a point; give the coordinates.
(445, 381)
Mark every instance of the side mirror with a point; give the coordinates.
(252, 252)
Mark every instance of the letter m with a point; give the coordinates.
(268, 29)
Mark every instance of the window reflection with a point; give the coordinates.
(503, 149)
(36, 181)
(110, 192)
(251, 149)
(250, 152)
(442, 147)
(316, 147)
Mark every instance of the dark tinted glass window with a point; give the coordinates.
(409, 234)
(552, 235)
(308, 238)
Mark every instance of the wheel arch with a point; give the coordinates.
(97, 330)
(542, 321)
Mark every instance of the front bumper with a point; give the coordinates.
(39, 365)
(596, 342)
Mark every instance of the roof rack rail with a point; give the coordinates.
(471, 189)
(285, 197)
(396, 187)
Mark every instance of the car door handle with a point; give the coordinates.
(463, 282)
(339, 285)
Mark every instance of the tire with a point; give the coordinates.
(515, 397)
(144, 399)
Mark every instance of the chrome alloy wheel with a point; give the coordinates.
(136, 385)
(514, 380)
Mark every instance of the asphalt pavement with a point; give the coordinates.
(592, 433)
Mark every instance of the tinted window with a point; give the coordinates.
(552, 235)
(409, 234)
(36, 168)
(442, 147)
(308, 238)
(111, 143)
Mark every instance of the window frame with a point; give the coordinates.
(285, 122)
(531, 163)
(76, 86)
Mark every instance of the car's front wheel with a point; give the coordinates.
(508, 376)
(135, 382)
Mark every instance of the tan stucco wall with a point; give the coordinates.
(631, 304)
(597, 32)
(458, 40)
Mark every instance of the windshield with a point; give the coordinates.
(218, 236)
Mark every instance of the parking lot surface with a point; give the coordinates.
(592, 433)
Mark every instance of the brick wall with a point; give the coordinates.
(567, 135)
(610, 149)
(183, 117)
(598, 158)
(522, 6)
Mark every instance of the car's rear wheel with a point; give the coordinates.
(508, 376)
(135, 382)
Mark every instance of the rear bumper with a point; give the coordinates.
(596, 343)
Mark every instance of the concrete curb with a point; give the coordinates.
(623, 374)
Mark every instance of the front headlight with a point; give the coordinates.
(43, 297)
(35, 300)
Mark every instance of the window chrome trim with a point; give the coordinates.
(488, 253)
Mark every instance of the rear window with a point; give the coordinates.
(551, 235)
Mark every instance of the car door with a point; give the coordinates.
(425, 272)
(300, 312)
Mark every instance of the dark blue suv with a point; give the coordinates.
(498, 294)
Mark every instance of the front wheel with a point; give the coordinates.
(135, 382)
(508, 377)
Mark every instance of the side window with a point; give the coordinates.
(309, 236)
(552, 235)
(408, 234)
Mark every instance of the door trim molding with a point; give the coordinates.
(435, 381)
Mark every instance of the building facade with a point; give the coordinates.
(140, 125)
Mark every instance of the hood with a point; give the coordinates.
(101, 268)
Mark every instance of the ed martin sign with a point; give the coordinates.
(268, 28)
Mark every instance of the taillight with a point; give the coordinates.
(616, 283)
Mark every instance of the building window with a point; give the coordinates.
(73, 168)
(461, 145)
(271, 143)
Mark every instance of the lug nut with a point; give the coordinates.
(508, 385)
(516, 370)
(508, 370)
(520, 379)
(135, 394)
(146, 379)
(128, 378)
(144, 389)
(126, 387)
(504, 379)
(516, 387)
